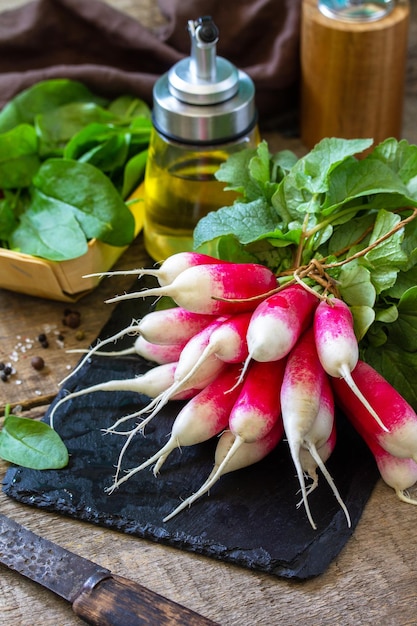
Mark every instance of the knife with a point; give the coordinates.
(97, 596)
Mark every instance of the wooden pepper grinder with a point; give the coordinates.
(353, 60)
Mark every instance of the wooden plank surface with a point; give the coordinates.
(373, 580)
(24, 318)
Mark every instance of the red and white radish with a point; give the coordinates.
(245, 454)
(399, 473)
(187, 376)
(151, 384)
(168, 326)
(307, 410)
(212, 289)
(201, 418)
(254, 415)
(168, 271)
(258, 406)
(337, 346)
(227, 342)
(277, 322)
(324, 421)
(320, 437)
(156, 352)
(395, 412)
(223, 341)
(174, 325)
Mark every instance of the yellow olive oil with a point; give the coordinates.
(180, 189)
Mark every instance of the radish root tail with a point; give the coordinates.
(103, 353)
(347, 377)
(313, 451)
(163, 452)
(133, 328)
(216, 473)
(311, 487)
(294, 449)
(404, 496)
(75, 394)
(160, 401)
(157, 291)
(135, 272)
(242, 373)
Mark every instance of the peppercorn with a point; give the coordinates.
(5, 370)
(71, 318)
(43, 340)
(37, 363)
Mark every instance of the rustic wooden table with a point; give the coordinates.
(374, 578)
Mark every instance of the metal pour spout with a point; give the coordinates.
(204, 98)
(204, 37)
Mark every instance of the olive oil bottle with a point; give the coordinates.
(203, 112)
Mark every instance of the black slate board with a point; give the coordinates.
(250, 517)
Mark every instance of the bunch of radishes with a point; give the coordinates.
(257, 362)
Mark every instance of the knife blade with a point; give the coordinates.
(97, 596)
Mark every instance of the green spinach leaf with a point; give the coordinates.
(19, 158)
(90, 196)
(56, 128)
(48, 229)
(31, 444)
(42, 97)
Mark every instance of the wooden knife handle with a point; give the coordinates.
(117, 601)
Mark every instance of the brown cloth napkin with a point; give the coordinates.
(113, 53)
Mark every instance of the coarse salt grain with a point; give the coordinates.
(49, 328)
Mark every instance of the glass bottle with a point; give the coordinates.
(203, 111)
